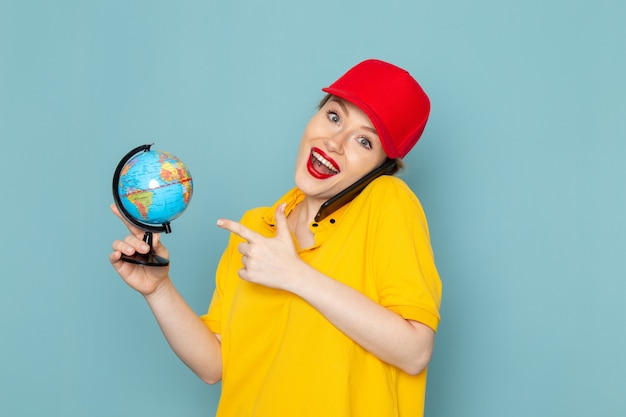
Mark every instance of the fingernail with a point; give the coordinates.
(220, 222)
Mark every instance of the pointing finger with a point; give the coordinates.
(238, 229)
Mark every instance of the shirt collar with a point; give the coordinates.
(319, 229)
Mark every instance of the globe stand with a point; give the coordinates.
(148, 259)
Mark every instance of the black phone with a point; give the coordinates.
(347, 195)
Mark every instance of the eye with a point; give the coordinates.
(365, 142)
(332, 116)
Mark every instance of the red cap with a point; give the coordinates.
(391, 98)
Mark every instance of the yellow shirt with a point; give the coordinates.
(283, 358)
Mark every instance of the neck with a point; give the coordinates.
(300, 219)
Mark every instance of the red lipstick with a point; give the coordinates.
(320, 165)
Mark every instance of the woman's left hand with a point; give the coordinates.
(272, 262)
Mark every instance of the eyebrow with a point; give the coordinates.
(345, 109)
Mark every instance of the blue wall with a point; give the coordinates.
(521, 172)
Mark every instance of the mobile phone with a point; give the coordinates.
(347, 195)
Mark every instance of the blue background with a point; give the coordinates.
(521, 173)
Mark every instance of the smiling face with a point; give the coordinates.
(338, 147)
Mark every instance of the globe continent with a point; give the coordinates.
(155, 187)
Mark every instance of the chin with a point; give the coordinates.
(320, 189)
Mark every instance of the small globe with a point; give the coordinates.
(154, 187)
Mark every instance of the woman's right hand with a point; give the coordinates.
(144, 279)
(188, 336)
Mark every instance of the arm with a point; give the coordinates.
(275, 263)
(405, 344)
(190, 339)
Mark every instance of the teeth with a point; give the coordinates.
(325, 162)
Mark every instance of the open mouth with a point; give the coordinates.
(320, 165)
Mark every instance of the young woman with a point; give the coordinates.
(320, 308)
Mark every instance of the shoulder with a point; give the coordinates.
(388, 203)
(389, 191)
(254, 218)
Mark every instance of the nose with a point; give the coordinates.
(335, 142)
